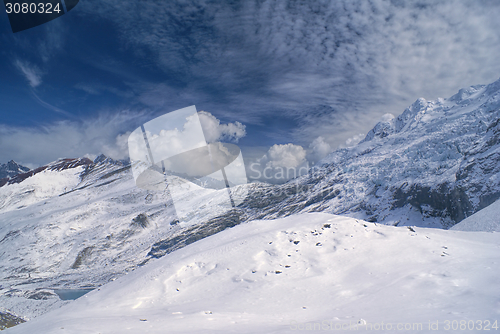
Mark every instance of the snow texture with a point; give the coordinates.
(274, 276)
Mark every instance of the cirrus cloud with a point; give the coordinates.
(31, 72)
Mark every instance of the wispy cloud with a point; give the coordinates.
(106, 134)
(279, 164)
(354, 60)
(50, 106)
(31, 72)
(315, 74)
(98, 89)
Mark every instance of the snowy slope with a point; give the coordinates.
(73, 228)
(80, 224)
(83, 226)
(486, 220)
(274, 276)
(434, 165)
(39, 187)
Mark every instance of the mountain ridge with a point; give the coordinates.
(433, 165)
(430, 161)
(78, 223)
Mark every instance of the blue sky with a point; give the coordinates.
(312, 74)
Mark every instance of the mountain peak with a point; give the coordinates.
(11, 169)
(100, 158)
(12, 165)
(382, 129)
(105, 159)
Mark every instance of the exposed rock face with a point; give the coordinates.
(8, 320)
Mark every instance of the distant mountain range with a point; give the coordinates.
(78, 223)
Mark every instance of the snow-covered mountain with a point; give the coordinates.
(9, 170)
(434, 165)
(71, 224)
(77, 223)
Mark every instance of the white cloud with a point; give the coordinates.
(168, 135)
(107, 134)
(215, 131)
(354, 140)
(49, 106)
(386, 117)
(32, 73)
(68, 139)
(117, 149)
(318, 149)
(287, 155)
(280, 164)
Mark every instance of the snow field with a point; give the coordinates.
(271, 275)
